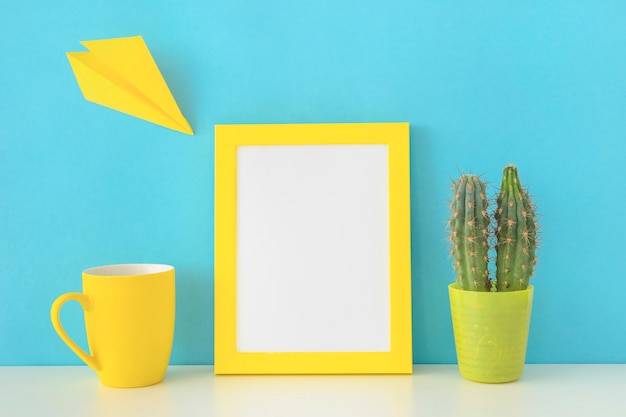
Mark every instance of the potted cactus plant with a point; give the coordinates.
(491, 316)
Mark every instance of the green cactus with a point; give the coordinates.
(516, 233)
(469, 227)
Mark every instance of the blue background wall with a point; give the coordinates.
(483, 83)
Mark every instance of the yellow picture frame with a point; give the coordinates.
(388, 143)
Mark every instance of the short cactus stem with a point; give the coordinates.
(469, 227)
(516, 233)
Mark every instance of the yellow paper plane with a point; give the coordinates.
(120, 73)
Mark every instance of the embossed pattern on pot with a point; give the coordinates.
(491, 333)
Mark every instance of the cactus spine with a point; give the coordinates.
(469, 233)
(516, 233)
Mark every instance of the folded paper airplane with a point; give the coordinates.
(120, 73)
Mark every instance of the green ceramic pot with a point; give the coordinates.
(490, 332)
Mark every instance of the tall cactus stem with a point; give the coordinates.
(469, 226)
(516, 234)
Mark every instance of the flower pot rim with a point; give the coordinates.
(455, 287)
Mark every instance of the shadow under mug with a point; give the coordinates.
(129, 320)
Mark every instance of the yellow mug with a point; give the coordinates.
(129, 320)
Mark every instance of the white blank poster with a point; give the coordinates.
(313, 248)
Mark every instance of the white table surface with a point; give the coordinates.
(433, 390)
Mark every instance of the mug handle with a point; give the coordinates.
(85, 303)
